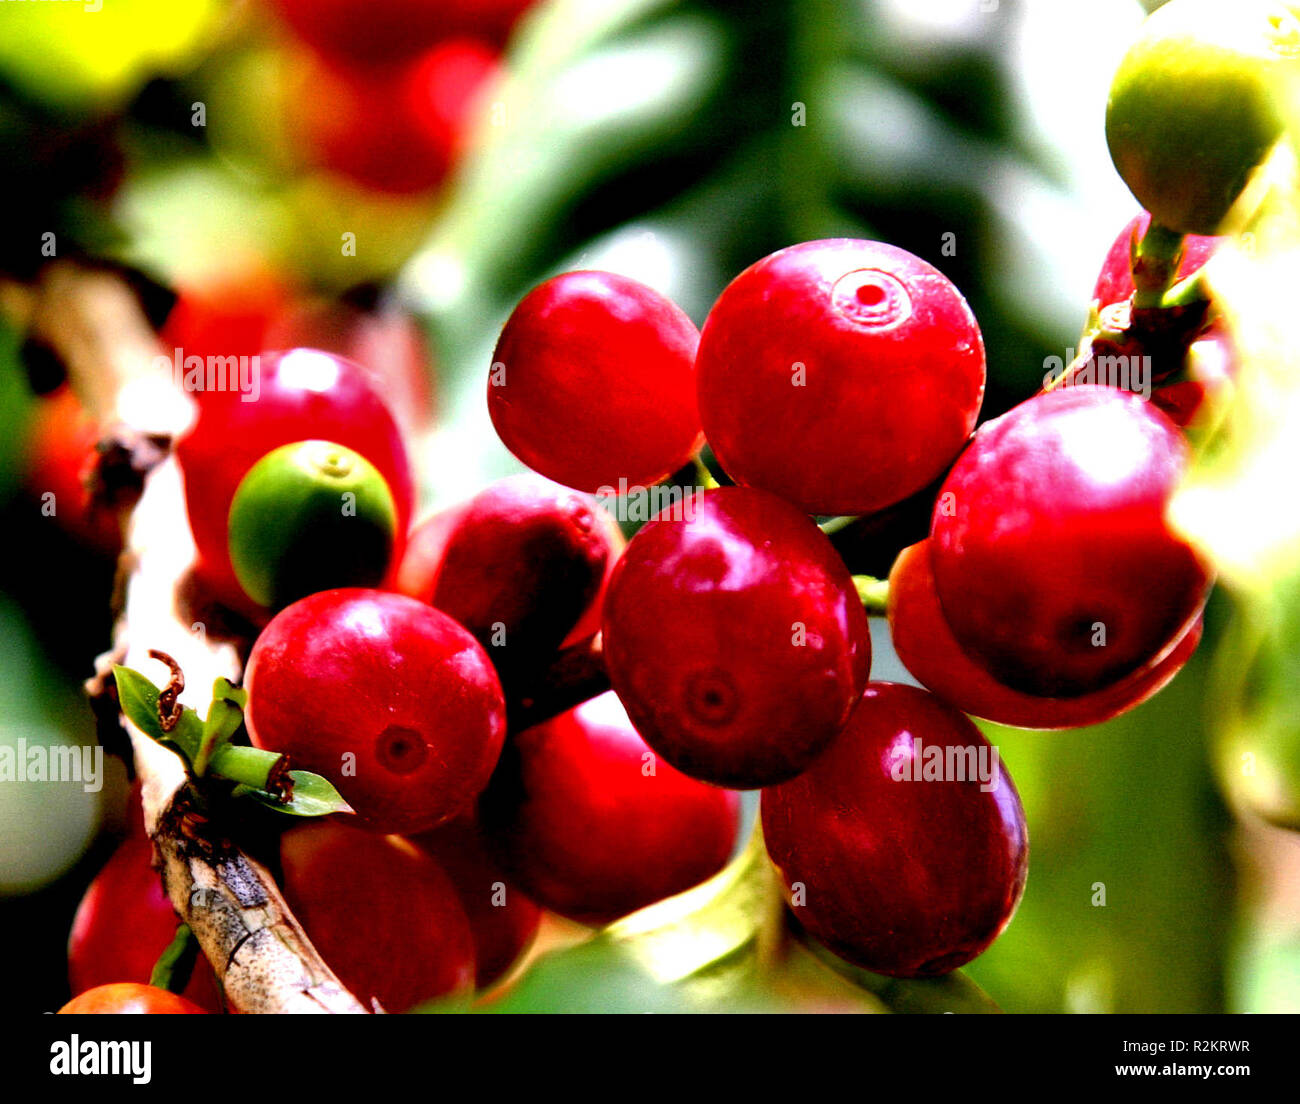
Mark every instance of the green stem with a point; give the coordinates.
(833, 525)
(1188, 292)
(1155, 264)
(175, 965)
(873, 593)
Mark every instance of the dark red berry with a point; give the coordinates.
(1115, 281)
(1052, 557)
(842, 375)
(503, 920)
(517, 565)
(123, 924)
(384, 32)
(594, 825)
(735, 638)
(293, 396)
(927, 648)
(897, 864)
(380, 912)
(593, 382)
(389, 699)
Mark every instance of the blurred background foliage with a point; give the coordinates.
(677, 142)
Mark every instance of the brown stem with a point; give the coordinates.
(258, 950)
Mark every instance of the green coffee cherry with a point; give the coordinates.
(307, 517)
(1196, 105)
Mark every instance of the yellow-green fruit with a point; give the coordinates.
(1196, 105)
(310, 516)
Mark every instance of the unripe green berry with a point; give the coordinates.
(1195, 106)
(310, 516)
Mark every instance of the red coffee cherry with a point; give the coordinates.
(735, 638)
(517, 565)
(842, 375)
(293, 396)
(927, 648)
(895, 865)
(1115, 281)
(380, 912)
(124, 923)
(593, 382)
(503, 921)
(392, 701)
(1052, 558)
(411, 142)
(130, 998)
(593, 825)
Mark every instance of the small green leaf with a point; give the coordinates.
(313, 796)
(139, 700)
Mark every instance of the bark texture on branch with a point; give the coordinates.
(264, 960)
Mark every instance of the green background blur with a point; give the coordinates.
(676, 142)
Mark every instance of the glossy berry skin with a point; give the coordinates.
(593, 825)
(386, 32)
(310, 516)
(302, 393)
(735, 639)
(909, 878)
(927, 648)
(593, 381)
(842, 375)
(1193, 108)
(122, 925)
(381, 913)
(130, 998)
(392, 701)
(611, 533)
(1052, 558)
(1115, 281)
(517, 565)
(503, 920)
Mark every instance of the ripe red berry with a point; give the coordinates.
(397, 130)
(123, 924)
(1057, 512)
(842, 375)
(927, 648)
(292, 396)
(593, 825)
(380, 912)
(903, 848)
(392, 701)
(593, 382)
(1115, 281)
(130, 998)
(611, 533)
(504, 921)
(61, 455)
(517, 565)
(735, 638)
